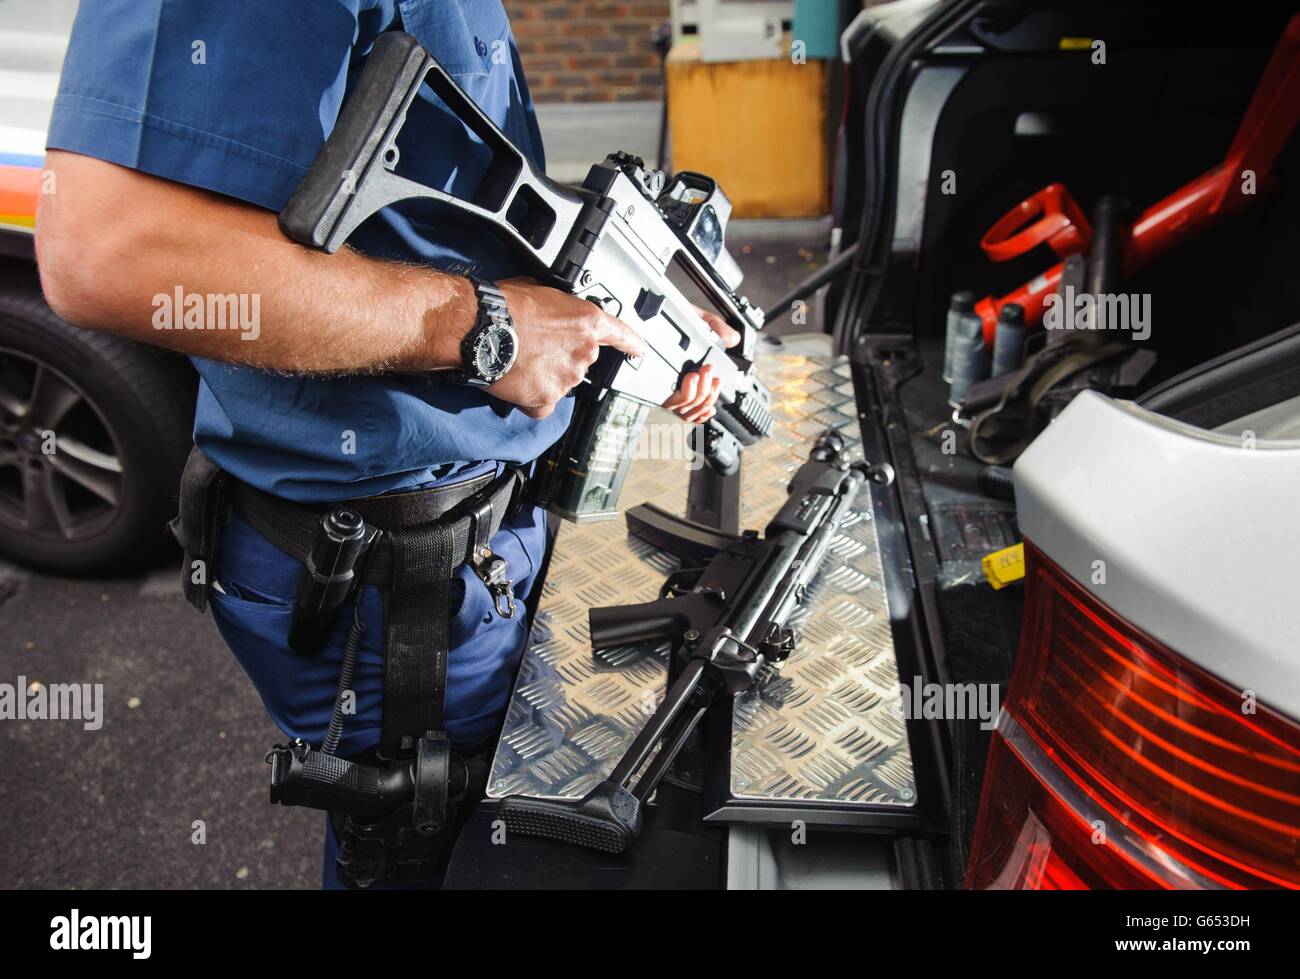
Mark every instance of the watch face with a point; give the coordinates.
(494, 352)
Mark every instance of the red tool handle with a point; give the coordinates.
(1057, 222)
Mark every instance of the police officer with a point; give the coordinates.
(180, 129)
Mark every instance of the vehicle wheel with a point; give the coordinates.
(93, 434)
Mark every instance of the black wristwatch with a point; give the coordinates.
(490, 347)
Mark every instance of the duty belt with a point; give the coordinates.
(426, 536)
(416, 542)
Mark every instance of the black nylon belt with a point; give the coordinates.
(1045, 369)
(292, 527)
(400, 511)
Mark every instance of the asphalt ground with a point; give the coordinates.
(171, 791)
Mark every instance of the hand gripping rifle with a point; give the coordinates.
(726, 622)
(611, 241)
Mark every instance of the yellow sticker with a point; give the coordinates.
(1005, 566)
(1075, 43)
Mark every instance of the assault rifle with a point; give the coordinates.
(612, 241)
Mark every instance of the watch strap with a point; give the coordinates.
(491, 300)
(491, 311)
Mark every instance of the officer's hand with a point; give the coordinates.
(560, 336)
(719, 326)
(695, 399)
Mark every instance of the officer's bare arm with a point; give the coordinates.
(109, 240)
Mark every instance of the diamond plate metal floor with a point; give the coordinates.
(828, 730)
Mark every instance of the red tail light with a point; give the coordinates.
(1117, 763)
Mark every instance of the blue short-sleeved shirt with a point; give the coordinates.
(237, 97)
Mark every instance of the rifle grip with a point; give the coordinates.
(627, 625)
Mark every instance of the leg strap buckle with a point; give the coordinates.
(490, 568)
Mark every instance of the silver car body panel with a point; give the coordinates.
(1192, 536)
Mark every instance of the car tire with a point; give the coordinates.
(92, 491)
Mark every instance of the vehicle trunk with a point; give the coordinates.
(958, 121)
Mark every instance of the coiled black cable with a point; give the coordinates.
(351, 652)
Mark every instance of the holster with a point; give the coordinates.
(198, 524)
(394, 850)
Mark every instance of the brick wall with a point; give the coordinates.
(589, 52)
